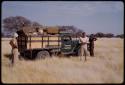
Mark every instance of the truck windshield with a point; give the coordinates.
(66, 38)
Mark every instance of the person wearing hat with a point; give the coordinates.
(84, 41)
(13, 43)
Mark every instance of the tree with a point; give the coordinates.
(99, 34)
(35, 24)
(72, 29)
(109, 35)
(15, 23)
(120, 36)
(79, 32)
(12, 24)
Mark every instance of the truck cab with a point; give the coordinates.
(70, 45)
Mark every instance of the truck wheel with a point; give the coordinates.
(42, 55)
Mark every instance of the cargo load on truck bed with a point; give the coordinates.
(52, 30)
(27, 40)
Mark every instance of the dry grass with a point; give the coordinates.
(105, 67)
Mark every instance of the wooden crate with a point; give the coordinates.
(52, 30)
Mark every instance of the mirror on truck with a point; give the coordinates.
(66, 39)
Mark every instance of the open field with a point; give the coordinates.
(105, 67)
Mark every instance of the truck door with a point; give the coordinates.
(66, 46)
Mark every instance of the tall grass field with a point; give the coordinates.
(106, 67)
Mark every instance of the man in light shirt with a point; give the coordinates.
(84, 41)
(15, 53)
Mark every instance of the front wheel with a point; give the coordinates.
(42, 55)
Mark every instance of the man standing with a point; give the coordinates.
(84, 41)
(91, 44)
(14, 46)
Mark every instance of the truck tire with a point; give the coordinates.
(42, 55)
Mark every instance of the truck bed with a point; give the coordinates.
(39, 42)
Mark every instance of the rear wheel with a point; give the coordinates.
(42, 55)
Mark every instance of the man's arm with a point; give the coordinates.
(87, 40)
(80, 40)
(14, 45)
(83, 41)
(95, 39)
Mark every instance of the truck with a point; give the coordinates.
(45, 45)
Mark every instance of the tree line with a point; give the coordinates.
(108, 35)
(12, 24)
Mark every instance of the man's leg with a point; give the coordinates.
(12, 59)
(92, 51)
(16, 55)
(81, 51)
(85, 53)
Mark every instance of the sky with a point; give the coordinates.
(90, 16)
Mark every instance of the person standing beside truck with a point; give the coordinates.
(91, 44)
(15, 53)
(84, 41)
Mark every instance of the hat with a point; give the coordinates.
(15, 35)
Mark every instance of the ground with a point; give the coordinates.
(106, 67)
